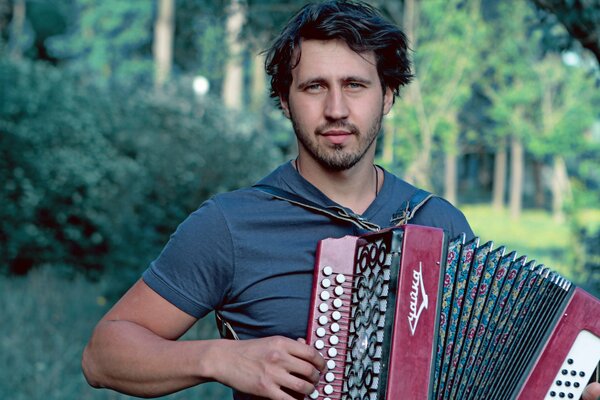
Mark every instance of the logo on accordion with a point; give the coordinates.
(416, 308)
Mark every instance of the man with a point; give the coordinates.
(335, 70)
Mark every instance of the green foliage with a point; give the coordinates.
(97, 178)
(107, 40)
(580, 20)
(447, 38)
(199, 37)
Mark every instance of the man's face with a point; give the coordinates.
(336, 104)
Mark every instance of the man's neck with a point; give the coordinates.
(355, 188)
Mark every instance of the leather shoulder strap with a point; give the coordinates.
(409, 208)
(334, 212)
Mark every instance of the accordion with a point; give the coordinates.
(407, 313)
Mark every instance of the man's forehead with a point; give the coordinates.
(318, 55)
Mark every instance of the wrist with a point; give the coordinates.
(211, 359)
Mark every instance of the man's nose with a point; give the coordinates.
(336, 106)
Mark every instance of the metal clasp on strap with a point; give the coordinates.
(409, 208)
(225, 329)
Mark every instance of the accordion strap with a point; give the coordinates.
(409, 208)
(333, 211)
(403, 214)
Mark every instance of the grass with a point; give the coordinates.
(46, 319)
(536, 234)
(47, 316)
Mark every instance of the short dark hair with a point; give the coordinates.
(358, 24)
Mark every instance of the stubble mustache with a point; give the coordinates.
(337, 125)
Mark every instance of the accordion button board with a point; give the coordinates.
(407, 313)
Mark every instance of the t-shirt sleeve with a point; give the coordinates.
(439, 212)
(195, 268)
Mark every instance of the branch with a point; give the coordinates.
(581, 21)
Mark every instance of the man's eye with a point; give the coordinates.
(314, 87)
(355, 85)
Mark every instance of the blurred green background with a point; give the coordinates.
(118, 118)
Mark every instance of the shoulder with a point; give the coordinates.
(440, 213)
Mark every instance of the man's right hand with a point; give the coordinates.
(134, 350)
(266, 367)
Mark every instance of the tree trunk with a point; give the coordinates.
(418, 171)
(560, 188)
(233, 79)
(450, 178)
(499, 183)
(389, 132)
(538, 180)
(516, 177)
(16, 28)
(162, 48)
(259, 87)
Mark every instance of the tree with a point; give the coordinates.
(163, 41)
(581, 19)
(107, 41)
(567, 112)
(446, 37)
(511, 86)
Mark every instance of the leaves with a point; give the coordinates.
(88, 182)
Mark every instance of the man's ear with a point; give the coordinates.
(388, 100)
(285, 107)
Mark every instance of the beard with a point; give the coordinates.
(338, 157)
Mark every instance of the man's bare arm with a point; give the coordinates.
(134, 350)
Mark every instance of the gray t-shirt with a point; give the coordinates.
(251, 256)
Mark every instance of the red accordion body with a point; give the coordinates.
(406, 313)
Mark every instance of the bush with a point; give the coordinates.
(98, 178)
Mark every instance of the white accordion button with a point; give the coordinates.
(325, 295)
(336, 315)
(330, 364)
(321, 332)
(319, 344)
(340, 278)
(328, 389)
(323, 307)
(327, 271)
(325, 283)
(323, 320)
(335, 327)
(337, 303)
(332, 352)
(339, 290)
(314, 395)
(334, 340)
(329, 377)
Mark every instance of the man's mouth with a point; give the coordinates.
(337, 137)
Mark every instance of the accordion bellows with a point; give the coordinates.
(407, 313)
